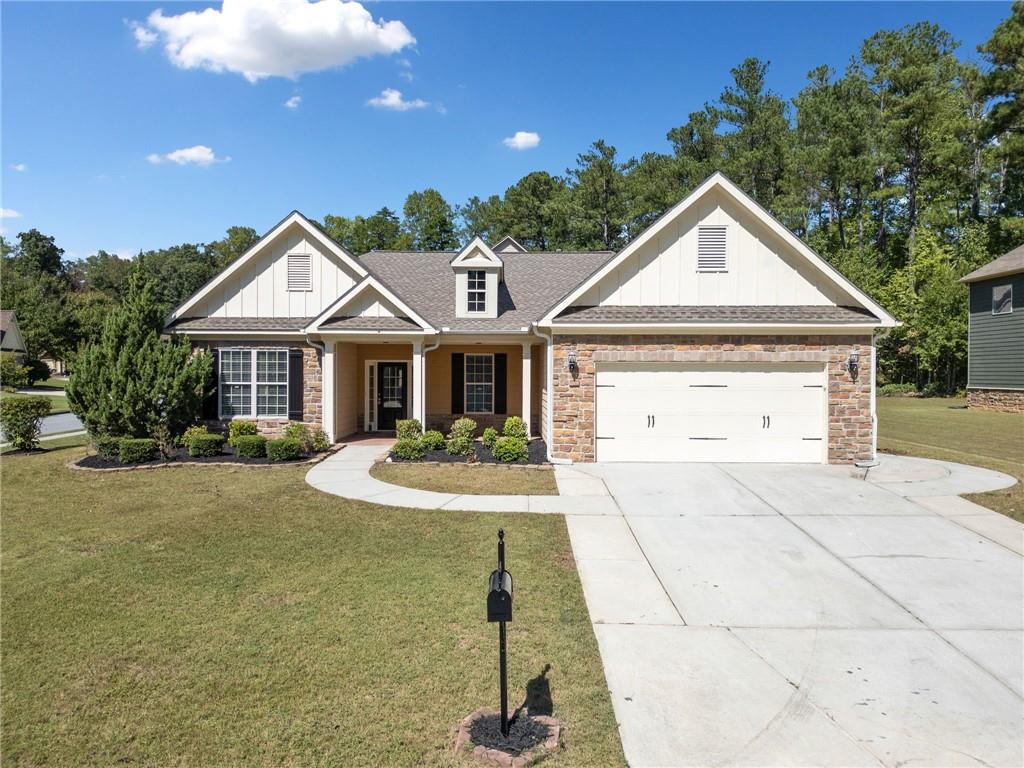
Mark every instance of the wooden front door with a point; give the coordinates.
(392, 381)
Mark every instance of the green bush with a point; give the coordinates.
(510, 449)
(284, 449)
(408, 428)
(490, 435)
(239, 427)
(462, 428)
(895, 390)
(37, 370)
(12, 373)
(320, 441)
(409, 448)
(459, 446)
(194, 431)
(514, 427)
(206, 445)
(134, 450)
(432, 440)
(21, 418)
(251, 447)
(299, 431)
(108, 447)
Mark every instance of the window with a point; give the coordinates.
(1002, 299)
(711, 248)
(479, 383)
(476, 298)
(300, 272)
(245, 372)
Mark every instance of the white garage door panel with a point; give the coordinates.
(681, 412)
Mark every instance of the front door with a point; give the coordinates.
(391, 394)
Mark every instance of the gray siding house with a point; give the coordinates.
(995, 368)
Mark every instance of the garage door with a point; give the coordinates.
(682, 412)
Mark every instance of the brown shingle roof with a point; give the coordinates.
(241, 324)
(716, 314)
(1008, 264)
(369, 324)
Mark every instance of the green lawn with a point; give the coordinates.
(58, 403)
(942, 428)
(469, 478)
(236, 616)
(51, 383)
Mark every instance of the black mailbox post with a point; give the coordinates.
(499, 609)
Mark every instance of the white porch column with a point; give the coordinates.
(327, 390)
(527, 385)
(418, 389)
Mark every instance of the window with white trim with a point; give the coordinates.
(479, 382)
(253, 383)
(300, 272)
(711, 248)
(476, 286)
(1002, 299)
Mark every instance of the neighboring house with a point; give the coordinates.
(715, 335)
(995, 341)
(10, 335)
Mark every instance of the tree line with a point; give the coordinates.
(905, 170)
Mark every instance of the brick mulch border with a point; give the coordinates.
(504, 759)
(274, 464)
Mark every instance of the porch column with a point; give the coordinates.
(527, 385)
(418, 390)
(327, 390)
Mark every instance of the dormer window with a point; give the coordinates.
(476, 286)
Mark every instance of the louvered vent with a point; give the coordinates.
(300, 272)
(711, 249)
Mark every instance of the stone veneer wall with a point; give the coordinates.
(1007, 400)
(312, 382)
(849, 401)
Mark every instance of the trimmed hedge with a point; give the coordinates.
(490, 435)
(432, 440)
(21, 419)
(193, 431)
(205, 445)
(108, 447)
(408, 428)
(459, 446)
(134, 450)
(462, 428)
(511, 449)
(251, 447)
(240, 427)
(284, 449)
(409, 448)
(514, 427)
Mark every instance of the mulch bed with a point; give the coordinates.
(524, 732)
(483, 455)
(180, 456)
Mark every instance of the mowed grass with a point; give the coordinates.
(469, 478)
(223, 616)
(942, 428)
(58, 403)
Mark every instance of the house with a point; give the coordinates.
(10, 335)
(995, 340)
(715, 335)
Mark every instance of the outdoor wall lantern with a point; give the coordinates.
(574, 366)
(853, 363)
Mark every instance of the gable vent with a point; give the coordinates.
(711, 251)
(300, 272)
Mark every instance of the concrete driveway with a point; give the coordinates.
(807, 615)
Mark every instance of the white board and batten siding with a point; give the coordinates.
(261, 288)
(759, 269)
(724, 413)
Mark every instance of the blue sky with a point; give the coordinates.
(88, 117)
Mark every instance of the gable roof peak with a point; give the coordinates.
(474, 250)
(508, 244)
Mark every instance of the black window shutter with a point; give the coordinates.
(210, 403)
(458, 383)
(500, 383)
(295, 384)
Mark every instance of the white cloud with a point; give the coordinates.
(392, 99)
(197, 155)
(272, 38)
(19, 167)
(293, 102)
(522, 140)
(9, 213)
(406, 75)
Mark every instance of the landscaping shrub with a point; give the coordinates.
(12, 373)
(511, 449)
(240, 427)
(193, 431)
(408, 428)
(895, 390)
(251, 446)
(108, 447)
(432, 440)
(462, 428)
(299, 431)
(490, 435)
(284, 449)
(134, 450)
(206, 445)
(459, 446)
(37, 370)
(514, 427)
(409, 448)
(21, 419)
(320, 441)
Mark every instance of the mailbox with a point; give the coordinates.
(499, 596)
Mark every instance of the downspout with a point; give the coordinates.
(549, 372)
(422, 383)
(876, 337)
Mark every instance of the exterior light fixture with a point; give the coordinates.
(574, 366)
(853, 363)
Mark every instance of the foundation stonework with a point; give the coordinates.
(850, 425)
(1006, 400)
